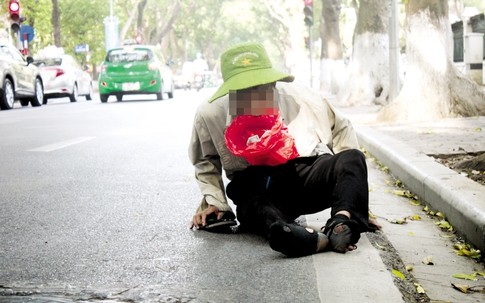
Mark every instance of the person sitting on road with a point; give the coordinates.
(328, 172)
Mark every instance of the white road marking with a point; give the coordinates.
(62, 144)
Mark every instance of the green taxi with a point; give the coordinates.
(134, 69)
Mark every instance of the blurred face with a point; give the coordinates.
(255, 101)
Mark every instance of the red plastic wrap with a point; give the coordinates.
(261, 140)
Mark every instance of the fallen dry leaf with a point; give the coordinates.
(428, 211)
(439, 214)
(446, 236)
(472, 277)
(462, 288)
(381, 246)
(414, 202)
(415, 218)
(467, 250)
(428, 260)
(397, 273)
(405, 193)
(397, 221)
(443, 224)
(419, 288)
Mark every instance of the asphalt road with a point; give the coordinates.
(95, 204)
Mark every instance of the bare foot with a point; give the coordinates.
(350, 248)
(375, 224)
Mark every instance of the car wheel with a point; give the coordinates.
(39, 94)
(119, 97)
(170, 94)
(104, 98)
(7, 97)
(75, 95)
(160, 93)
(44, 101)
(89, 96)
(24, 102)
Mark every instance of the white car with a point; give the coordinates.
(63, 76)
(19, 79)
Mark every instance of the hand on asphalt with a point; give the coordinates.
(199, 219)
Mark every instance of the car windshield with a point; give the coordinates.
(129, 56)
(48, 62)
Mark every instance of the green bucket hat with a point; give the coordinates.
(246, 65)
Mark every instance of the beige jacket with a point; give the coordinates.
(310, 118)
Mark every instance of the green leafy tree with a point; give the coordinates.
(76, 29)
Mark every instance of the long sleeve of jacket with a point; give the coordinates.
(208, 168)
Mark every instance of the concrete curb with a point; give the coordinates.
(460, 199)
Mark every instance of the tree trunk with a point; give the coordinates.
(433, 88)
(291, 26)
(139, 22)
(172, 14)
(331, 54)
(55, 24)
(368, 80)
(131, 15)
(456, 8)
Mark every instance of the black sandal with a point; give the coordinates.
(292, 240)
(222, 225)
(348, 235)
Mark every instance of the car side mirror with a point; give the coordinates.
(30, 59)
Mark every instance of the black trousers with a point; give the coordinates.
(266, 194)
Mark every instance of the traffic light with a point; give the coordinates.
(308, 11)
(14, 10)
(307, 42)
